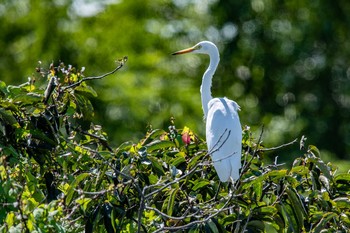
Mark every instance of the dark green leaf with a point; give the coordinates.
(256, 226)
(324, 221)
(86, 90)
(289, 217)
(158, 169)
(298, 207)
(212, 226)
(8, 118)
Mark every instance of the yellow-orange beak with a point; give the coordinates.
(184, 51)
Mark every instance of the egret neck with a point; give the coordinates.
(207, 79)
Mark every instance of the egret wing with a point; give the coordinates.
(224, 137)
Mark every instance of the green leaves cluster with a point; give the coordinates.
(59, 173)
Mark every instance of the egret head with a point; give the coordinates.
(204, 47)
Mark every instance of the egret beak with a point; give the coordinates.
(189, 50)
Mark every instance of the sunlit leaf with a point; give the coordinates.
(200, 184)
(342, 178)
(158, 145)
(265, 210)
(180, 158)
(3, 88)
(73, 185)
(314, 150)
(276, 174)
(342, 202)
(299, 170)
(171, 201)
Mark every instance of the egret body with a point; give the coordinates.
(223, 128)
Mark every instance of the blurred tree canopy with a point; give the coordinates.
(285, 63)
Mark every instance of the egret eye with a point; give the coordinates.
(198, 47)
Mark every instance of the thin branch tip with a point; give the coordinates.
(121, 63)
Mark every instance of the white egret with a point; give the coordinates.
(223, 128)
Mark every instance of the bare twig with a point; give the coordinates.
(171, 217)
(247, 163)
(217, 143)
(259, 141)
(102, 140)
(162, 186)
(121, 64)
(183, 227)
(281, 146)
(139, 214)
(165, 185)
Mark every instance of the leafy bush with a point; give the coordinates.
(59, 173)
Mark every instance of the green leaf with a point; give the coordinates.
(38, 134)
(153, 135)
(8, 118)
(171, 201)
(28, 98)
(297, 204)
(3, 88)
(252, 180)
(84, 106)
(320, 165)
(159, 144)
(157, 167)
(257, 188)
(289, 217)
(300, 170)
(342, 202)
(86, 90)
(212, 226)
(324, 221)
(83, 202)
(314, 150)
(125, 146)
(276, 174)
(342, 178)
(10, 219)
(73, 185)
(265, 210)
(344, 218)
(194, 161)
(200, 184)
(256, 226)
(180, 158)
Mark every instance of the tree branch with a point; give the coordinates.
(183, 227)
(121, 64)
(281, 146)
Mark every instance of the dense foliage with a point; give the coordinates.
(285, 63)
(59, 173)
